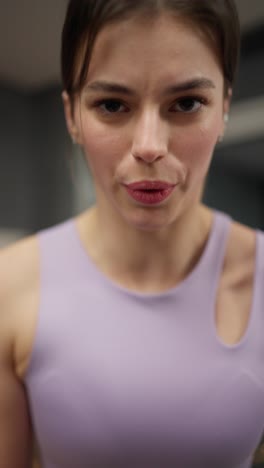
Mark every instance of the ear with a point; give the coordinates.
(227, 101)
(226, 109)
(72, 124)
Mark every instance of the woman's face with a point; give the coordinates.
(161, 125)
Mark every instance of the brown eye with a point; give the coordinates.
(110, 106)
(189, 105)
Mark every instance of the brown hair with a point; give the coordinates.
(86, 18)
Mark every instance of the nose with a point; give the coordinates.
(150, 138)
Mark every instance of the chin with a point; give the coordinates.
(149, 222)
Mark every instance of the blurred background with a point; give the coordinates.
(43, 178)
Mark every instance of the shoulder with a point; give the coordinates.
(19, 273)
(240, 259)
(242, 241)
(18, 267)
(20, 294)
(19, 276)
(242, 235)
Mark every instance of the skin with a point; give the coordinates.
(149, 135)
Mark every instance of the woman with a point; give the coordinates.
(131, 335)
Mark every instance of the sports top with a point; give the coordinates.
(120, 379)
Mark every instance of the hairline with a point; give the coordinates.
(206, 31)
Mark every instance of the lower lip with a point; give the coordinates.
(148, 197)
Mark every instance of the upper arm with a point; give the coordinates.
(15, 422)
(15, 427)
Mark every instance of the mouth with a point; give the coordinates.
(150, 185)
(150, 192)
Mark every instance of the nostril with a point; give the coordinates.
(148, 156)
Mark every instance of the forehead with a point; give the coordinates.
(160, 48)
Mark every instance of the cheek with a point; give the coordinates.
(102, 149)
(199, 143)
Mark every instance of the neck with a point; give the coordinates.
(148, 261)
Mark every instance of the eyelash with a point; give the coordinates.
(201, 100)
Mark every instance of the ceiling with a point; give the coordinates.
(30, 39)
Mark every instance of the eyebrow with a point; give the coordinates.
(110, 87)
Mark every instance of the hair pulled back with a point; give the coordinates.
(86, 18)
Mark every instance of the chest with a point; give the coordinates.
(140, 390)
(231, 314)
(142, 395)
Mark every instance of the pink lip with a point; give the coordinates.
(149, 192)
(150, 185)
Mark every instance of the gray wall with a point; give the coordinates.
(36, 189)
(16, 201)
(235, 193)
(235, 183)
(250, 82)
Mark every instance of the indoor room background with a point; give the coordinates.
(43, 177)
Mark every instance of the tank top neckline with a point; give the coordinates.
(219, 218)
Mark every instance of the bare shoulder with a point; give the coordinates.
(16, 258)
(242, 240)
(18, 299)
(241, 244)
(19, 278)
(240, 257)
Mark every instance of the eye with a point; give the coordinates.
(110, 106)
(189, 105)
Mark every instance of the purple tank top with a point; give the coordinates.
(119, 379)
